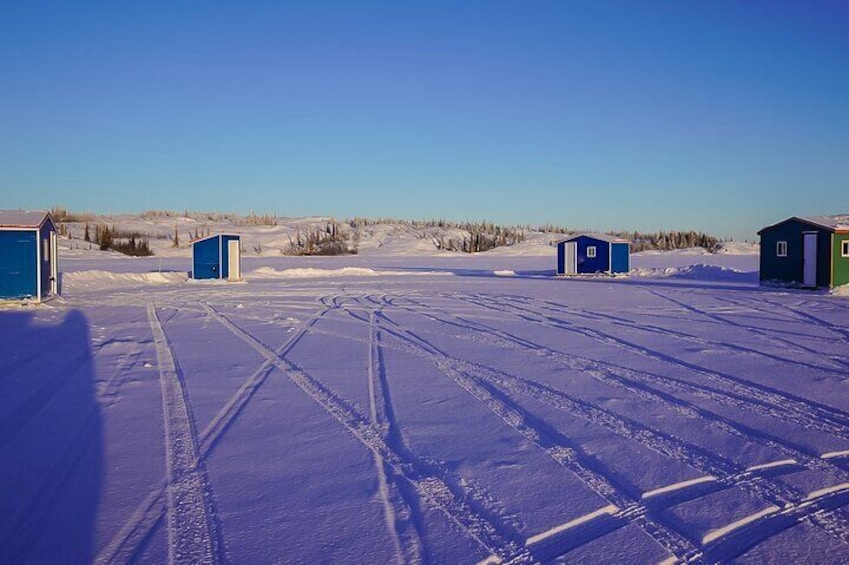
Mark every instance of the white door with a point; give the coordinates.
(809, 277)
(234, 260)
(54, 264)
(572, 258)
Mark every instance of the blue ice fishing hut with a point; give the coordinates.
(29, 262)
(593, 253)
(217, 257)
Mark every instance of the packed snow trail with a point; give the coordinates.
(193, 536)
(399, 513)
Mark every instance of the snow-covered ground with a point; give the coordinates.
(424, 409)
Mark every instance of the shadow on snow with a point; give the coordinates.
(51, 440)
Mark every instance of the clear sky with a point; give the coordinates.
(718, 115)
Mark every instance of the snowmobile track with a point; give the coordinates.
(193, 535)
(399, 512)
(729, 473)
(431, 483)
(131, 537)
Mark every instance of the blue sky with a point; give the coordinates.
(718, 116)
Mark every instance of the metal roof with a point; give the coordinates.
(837, 222)
(214, 236)
(31, 219)
(600, 236)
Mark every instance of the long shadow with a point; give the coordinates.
(51, 440)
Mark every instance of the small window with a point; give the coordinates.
(781, 249)
(591, 251)
(46, 249)
(844, 248)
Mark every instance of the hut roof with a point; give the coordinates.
(213, 236)
(600, 236)
(837, 222)
(22, 218)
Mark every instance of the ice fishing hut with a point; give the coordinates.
(29, 261)
(810, 252)
(593, 253)
(217, 257)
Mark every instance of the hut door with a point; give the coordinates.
(54, 264)
(571, 257)
(809, 276)
(234, 260)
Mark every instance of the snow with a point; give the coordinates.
(311, 272)
(738, 248)
(772, 465)
(842, 290)
(92, 278)
(427, 408)
(724, 531)
(677, 486)
(698, 272)
(608, 510)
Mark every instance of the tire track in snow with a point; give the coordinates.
(676, 334)
(399, 512)
(193, 535)
(773, 335)
(729, 474)
(739, 537)
(633, 381)
(564, 452)
(129, 540)
(430, 482)
(802, 316)
(755, 397)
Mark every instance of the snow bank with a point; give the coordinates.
(688, 252)
(311, 272)
(697, 272)
(90, 278)
(841, 290)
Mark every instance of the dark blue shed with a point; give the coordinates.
(29, 262)
(591, 253)
(217, 257)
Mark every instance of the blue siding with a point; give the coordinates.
(598, 264)
(205, 262)
(210, 257)
(620, 260)
(18, 264)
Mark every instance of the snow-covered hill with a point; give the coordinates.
(377, 238)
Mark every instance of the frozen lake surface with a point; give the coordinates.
(424, 410)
